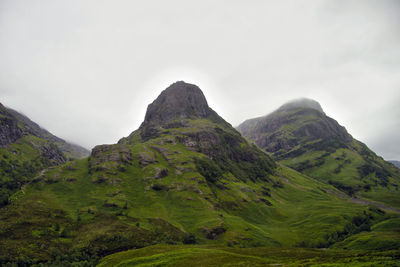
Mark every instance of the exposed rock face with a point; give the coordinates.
(9, 131)
(104, 155)
(146, 158)
(295, 123)
(180, 100)
(160, 173)
(54, 154)
(203, 141)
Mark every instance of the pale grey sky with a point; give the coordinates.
(86, 70)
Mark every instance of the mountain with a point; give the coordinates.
(26, 149)
(300, 135)
(186, 176)
(181, 112)
(71, 151)
(395, 163)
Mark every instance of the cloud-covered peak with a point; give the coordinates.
(302, 103)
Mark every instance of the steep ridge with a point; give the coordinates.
(71, 151)
(15, 125)
(301, 136)
(25, 149)
(185, 176)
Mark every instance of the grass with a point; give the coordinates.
(20, 162)
(222, 256)
(93, 211)
(342, 169)
(316, 145)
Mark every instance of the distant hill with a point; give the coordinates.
(26, 149)
(300, 135)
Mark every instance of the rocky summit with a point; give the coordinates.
(179, 101)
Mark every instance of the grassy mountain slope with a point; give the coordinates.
(26, 149)
(71, 151)
(78, 210)
(184, 177)
(301, 136)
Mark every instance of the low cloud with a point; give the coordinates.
(86, 70)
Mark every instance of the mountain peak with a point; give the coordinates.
(301, 103)
(180, 100)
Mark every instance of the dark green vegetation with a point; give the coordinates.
(225, 256)
(25, 150)
(187, 177)
(301, 136)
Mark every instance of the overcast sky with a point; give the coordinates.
(86, 70)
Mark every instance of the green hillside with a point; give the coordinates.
(186, 177)
(225, 256)
(26, 149)
(71, 151)
(301, 136)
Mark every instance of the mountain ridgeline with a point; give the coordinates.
(185, 176)
(26, 149)
(300, 135)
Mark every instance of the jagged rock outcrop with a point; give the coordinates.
(106, 157)
(9, 131)
(179, 101)
(53, 153)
